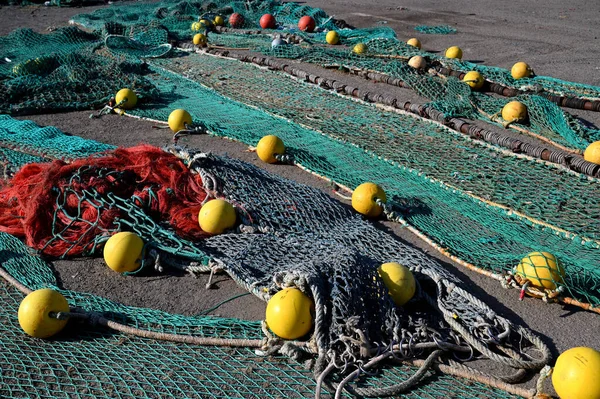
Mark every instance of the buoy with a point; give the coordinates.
(34, 313)
(123, 252)
(199, 39)
(195, 26)
(399, 280)
(205, 24)
(363, 199)
(417, 62)
(178, 119)
(126, 94)
(414, 42)
(268, 147)
(306, 24)
(454, 52)
(236, 20)
(332, 37)
(278, 42)
(219, 21)
(576, 374)
(592, 152)
(216, 216)
(474, 79)
(267, 21)
(360, 48)
(290, 313)
(514, 111)
(521, 70)
(541, 269)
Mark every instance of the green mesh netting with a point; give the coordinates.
(495, 239)
(437, 152)
(435, 30)
(504, 179)
(546, 118)
(448, 95)
(89, 361)
(62, 71)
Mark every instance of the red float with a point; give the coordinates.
(306, 24)
(267, 21)
(236, 20)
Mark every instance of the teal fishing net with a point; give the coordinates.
(321, 247)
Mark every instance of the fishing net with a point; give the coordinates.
(319, 246)
(515, 205)
(494, 195)
(408, 166)
(385, 54)
(435, 30)
(61, 71)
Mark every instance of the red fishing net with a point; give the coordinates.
(74, 201)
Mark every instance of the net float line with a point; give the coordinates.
(557, 157)
(562, 101)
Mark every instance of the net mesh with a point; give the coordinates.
(563, 215)
(454, 99)
(435, 30)
(496, 238)
(298, 224)
(434, 178)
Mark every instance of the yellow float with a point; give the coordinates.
(541, 269)
(268, 147)
(576, 374)
(178, 120)
(123, 252)
(34, 313)
(216, 216)
(363, 199)
(290, 313)
(399, 281)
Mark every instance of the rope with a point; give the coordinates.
(391, 390)
(396, 103)
(95, 318)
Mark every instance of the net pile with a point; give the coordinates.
(150, 178)
(438, 173)
(347, 147)
(320, 246)
(447, 95)
(62, 71)
(435, 30)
